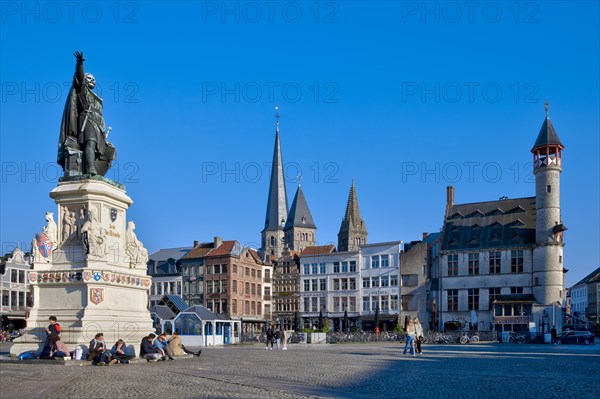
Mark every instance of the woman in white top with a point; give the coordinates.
(418, 335)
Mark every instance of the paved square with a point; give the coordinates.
(327, 371)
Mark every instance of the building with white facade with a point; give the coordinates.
(14, 284)
(329, 285)
(380, 284)
(376, 287)
(578, 295)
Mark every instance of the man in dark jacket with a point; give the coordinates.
(270, 337)
(148, 350)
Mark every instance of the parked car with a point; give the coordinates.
(575, 337)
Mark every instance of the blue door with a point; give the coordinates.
(226, 334)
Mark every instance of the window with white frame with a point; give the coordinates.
(385, 261)
(375, 262)
(336, 267)
(366, 304)
(352, 266)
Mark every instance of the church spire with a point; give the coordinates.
(300, 229)
(353, 231)
(277, 203)
(352, 211)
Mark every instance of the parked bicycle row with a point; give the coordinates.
(430, 337)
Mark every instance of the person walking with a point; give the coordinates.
(410, 338)
(269, 338)
(418, 335)
(553, 334)
(278, 339)
(283, 341)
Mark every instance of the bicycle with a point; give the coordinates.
(473, 339)
(517, 338)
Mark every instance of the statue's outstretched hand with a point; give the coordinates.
(79, 56)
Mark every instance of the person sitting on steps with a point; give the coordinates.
(147, 349)
(119, 352)
(178, 349)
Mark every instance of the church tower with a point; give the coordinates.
(548, 253)
(353, 231)
(272, 240)
(300, 229)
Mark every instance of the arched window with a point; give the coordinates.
(272, 241)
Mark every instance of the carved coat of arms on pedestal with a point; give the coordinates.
(96, 295)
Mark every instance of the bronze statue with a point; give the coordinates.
(82, 146)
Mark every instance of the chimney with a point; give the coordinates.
(450, 196)
(449, 200)
(425, 234)
(195, 244)
(218, 241)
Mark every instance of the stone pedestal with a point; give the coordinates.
(94, 280)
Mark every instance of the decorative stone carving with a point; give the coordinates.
(80, 222)
(93, 236)
(51, 230)
(69, 225)
(45, 242)
(96, 295)
(138, 255)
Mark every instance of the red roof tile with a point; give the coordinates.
(318, 250)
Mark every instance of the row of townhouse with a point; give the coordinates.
(378, 285)
(224, 276)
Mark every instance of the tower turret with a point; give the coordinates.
(548, 281)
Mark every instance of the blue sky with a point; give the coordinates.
(404, 97)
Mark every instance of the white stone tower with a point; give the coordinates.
(548, 282)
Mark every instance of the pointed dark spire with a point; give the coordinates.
(547, 134)
(277, 203)
(300, 215)
(353, 231)
(352, 210)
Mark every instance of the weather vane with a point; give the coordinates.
(546, 106)
(299, 177)
(277, 114)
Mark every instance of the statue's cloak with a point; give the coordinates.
(68, 126)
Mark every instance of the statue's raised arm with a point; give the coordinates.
(82, 146)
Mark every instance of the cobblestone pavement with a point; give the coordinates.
(327, 371)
